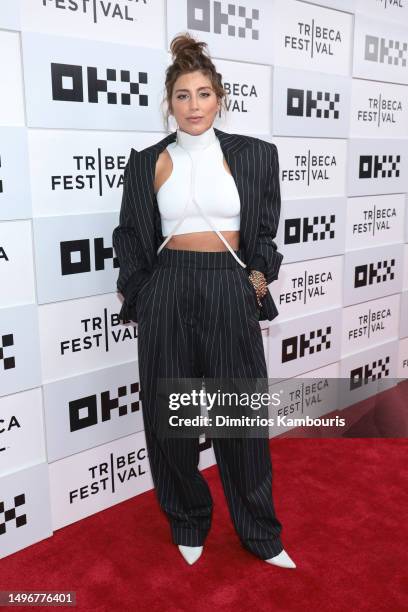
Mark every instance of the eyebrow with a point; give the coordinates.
(198, 89)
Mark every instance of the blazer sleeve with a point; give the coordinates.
(133, 267)
(267, 258)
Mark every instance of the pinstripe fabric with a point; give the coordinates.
(198, 318)
(254, 166)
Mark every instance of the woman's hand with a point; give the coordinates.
(258, 280)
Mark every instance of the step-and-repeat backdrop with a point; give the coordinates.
(81, 83)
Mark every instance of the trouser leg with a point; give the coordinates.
(166, 349)
(231, 344)
(249, 499)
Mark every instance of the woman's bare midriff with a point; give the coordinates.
(195, 241)
(203, 241)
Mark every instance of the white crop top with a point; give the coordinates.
(200, 194)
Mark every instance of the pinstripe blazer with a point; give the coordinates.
(254, 166)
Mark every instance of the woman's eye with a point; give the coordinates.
(182, 96)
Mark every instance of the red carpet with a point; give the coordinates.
(343, 504)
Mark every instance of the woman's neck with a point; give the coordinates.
(194, 142)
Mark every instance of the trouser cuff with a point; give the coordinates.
(264, 549)
(187, 537)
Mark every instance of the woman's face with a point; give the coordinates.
(193, 96)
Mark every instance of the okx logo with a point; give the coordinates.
(385, 51)
(299, 346)
(68, 85)
(378, 166)
(237, 21)
(76, 256)
(369, 372)
(305, 229)
(89, 404)
(9, 515)
(321, 104)
(9, 362)
(379, 272)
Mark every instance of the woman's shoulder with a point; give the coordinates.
(260, 143)
(261, 147)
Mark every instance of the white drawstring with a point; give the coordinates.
(204, 215)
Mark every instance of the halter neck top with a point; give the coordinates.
(200, 193)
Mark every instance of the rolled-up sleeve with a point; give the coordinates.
(267, 258)
(133, 266)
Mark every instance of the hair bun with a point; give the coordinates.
(185, 46)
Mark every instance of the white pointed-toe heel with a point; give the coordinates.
(190, 553)
(282, 560)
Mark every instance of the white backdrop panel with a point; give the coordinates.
(403, 359)
(369, 372)
(377, 166)
(311, 37)
(249, 92)
(312, 167)
(88, 482)
(10, 14)
(406, 217)
(310, 103)
(22, 441)
(15, 196)
(394, 10)
(11, 99)
(341, 5)
(240, 32)
(380, 50)
(78, 83)
(28, 493)
(302, 397)
(405, 269)
(75, 171)
(119, 21)
(307, 343)
(20, 349)
(90, 337)
(404, 315)
(372, 273)
(305, 287)
(312, 228)
(370, 323)
(378, 110)
(374, 220)
(74, 256)
(17, 271)
(91, 409)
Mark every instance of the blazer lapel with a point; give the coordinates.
(234, 147)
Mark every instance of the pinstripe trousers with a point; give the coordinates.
(198, 317)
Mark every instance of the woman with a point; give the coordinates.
(199, 211)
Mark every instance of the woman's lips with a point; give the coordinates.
(195, 119)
